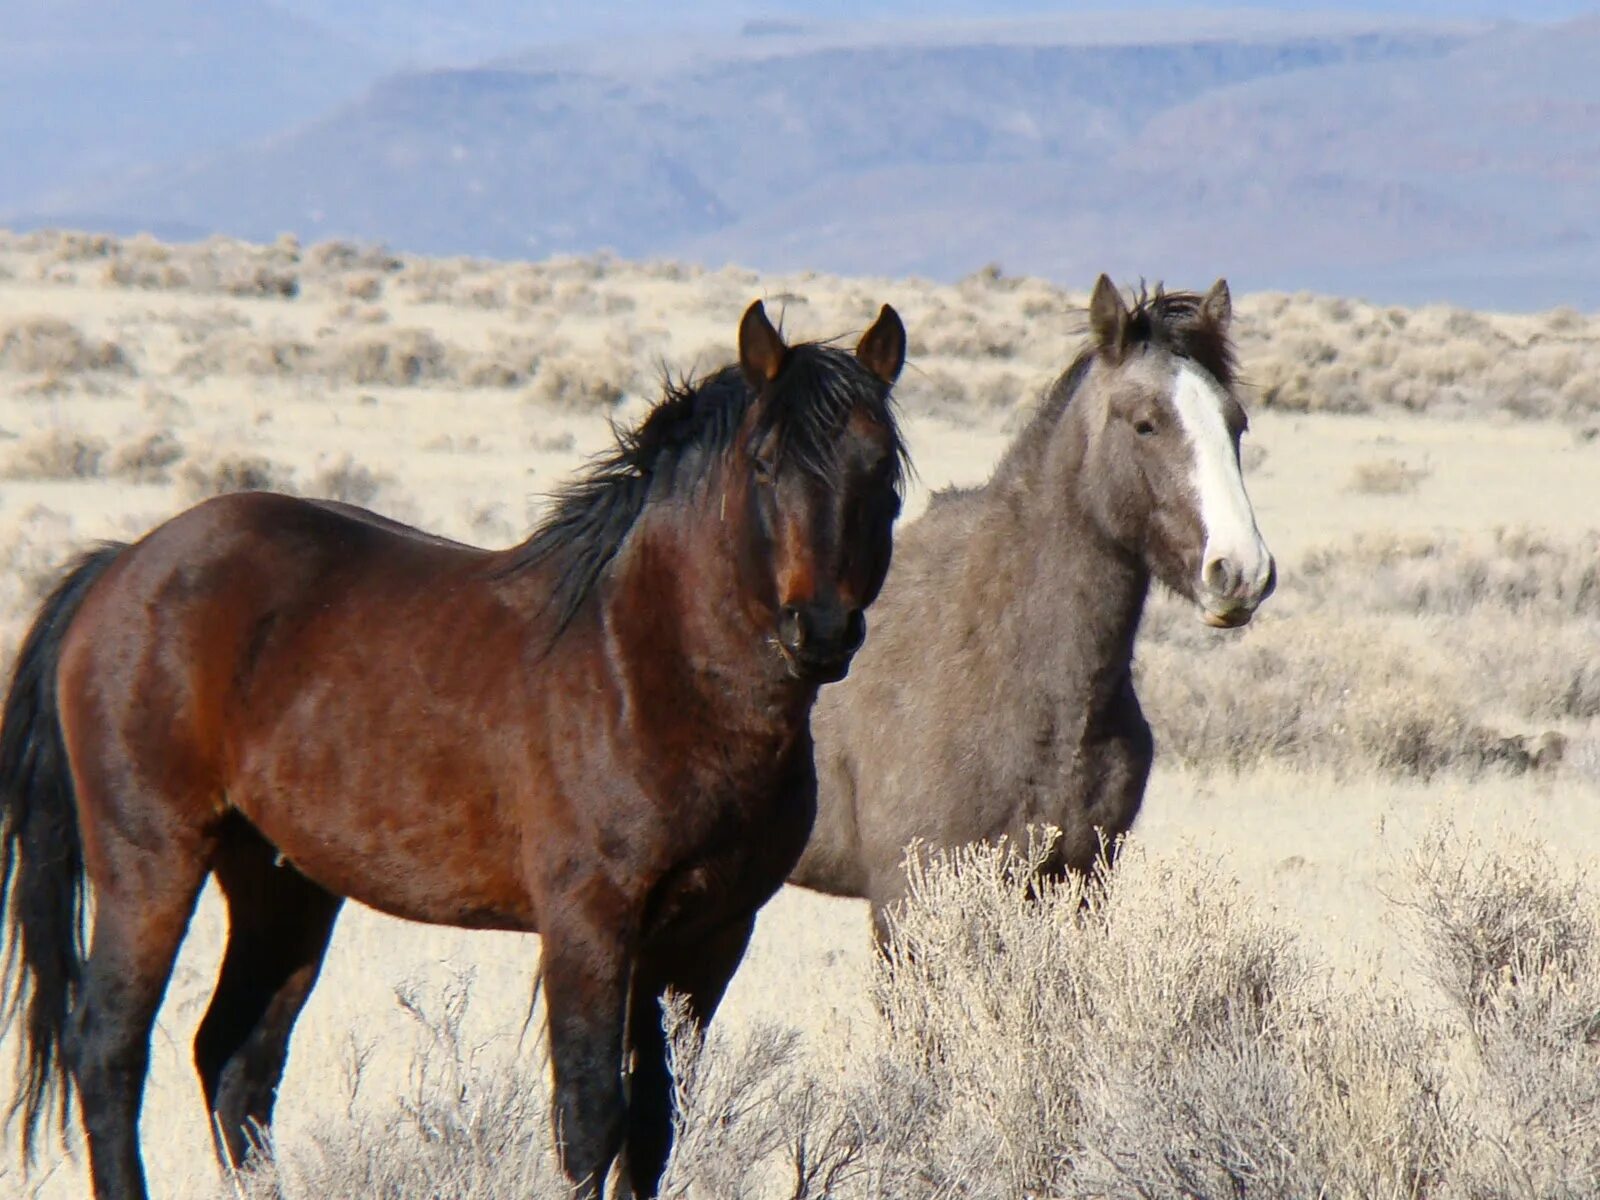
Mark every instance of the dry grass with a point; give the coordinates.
(56, 454)
(49, 345)
(1319, 354)
(1167, 1039)
(1513, 939)
(990, 340)
(473, 1125)
(348, 481)
(146, 459)
(1149, 1035)
(1386, 477)
(338, 478)
(1512, 571)
(1409, 656)
(402, 357)
(569, 384)
(217, 474)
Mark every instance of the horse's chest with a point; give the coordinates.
(1071, 763)
(731, 854)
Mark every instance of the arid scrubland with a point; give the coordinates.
(1297, 984)
(1025, 1051)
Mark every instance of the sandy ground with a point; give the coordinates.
(474, 463)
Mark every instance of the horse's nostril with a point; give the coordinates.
(855, 629)
(792, 627)
(1221, 576)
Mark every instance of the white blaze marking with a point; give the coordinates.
(1225, 512)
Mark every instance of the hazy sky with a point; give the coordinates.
(1513, 9)
(422, 30)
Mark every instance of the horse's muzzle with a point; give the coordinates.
(1234, 602)
(818, 642)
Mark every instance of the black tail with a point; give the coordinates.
(42, 883)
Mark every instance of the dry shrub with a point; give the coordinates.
(399, 357)
(471, 1126)
(1386, 477)
(731, 1103)
(577, 385)
(1311, 693)
(1497, 921)
(431, 280)
(509, 362)
(146, 459)
(219, 473)
(342, 479)
(396, 358)
(50, 344)
(1513, 571)
(348, 481)
(361, 314)
(1513, 939)
(56, 454)
(1408, 655)
(364, 285)
(74, 246)
(474, 1123)
(965, 332)
(1148, 1034)
(564, 442)
(150, 276)
(337, 257)
(1307, 353)
(32, 557)
(218, 265)
(240, 352)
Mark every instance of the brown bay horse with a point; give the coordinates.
(997, 690)
(600, 735)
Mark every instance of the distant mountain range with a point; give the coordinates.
(1402, 161)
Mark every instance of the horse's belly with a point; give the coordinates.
(442, 863)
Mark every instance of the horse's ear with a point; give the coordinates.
(761, 348)
(882, 349)
(1108, 314)
(1217, 307)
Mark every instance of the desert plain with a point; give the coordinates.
(1428, 479)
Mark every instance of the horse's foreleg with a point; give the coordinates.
(699, 972)
(279, 923)
(587, 966)
(143, 901)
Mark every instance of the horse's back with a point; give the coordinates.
(324, 672)
(179, 620)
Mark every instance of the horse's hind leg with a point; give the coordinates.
(279, 923)
(146, 874)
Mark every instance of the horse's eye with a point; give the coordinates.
(765, 469)
(1144, 428)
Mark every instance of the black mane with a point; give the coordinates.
(677, 445)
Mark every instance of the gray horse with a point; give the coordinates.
(995, 689)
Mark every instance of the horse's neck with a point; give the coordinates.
(673, 605)
(1079, 598)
